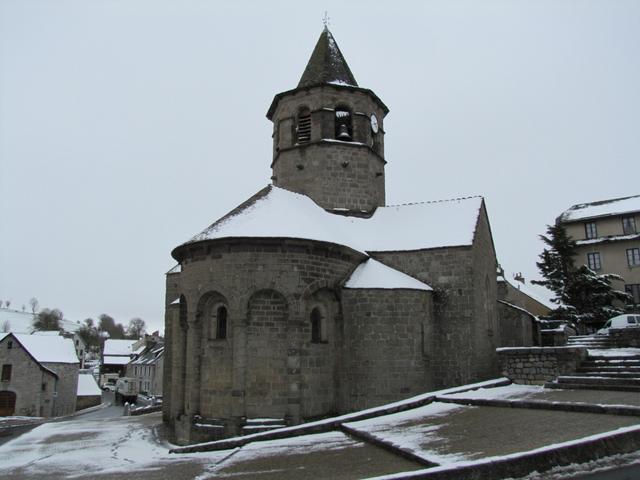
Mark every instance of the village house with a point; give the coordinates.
(607, 234)
(314, 297)
(116, 354)
(147, 365)
(39, 375)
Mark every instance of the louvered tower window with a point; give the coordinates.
(303, 126)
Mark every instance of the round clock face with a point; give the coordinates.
(374, 123)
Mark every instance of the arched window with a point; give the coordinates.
(221, 323)
(303, 126)
(318, 326)
(344, 124)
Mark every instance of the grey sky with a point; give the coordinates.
(128, 126)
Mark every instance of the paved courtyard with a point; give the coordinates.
(443, 433)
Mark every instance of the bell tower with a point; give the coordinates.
(328, 136)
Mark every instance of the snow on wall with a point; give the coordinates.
(373, 274)
(603, 208)
(284, 214)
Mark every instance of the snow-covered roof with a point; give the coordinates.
(602, 208)
(116, 360)
(118, 347)
(373, 274)
(48, 349)
(176, 269)
(608, 239)
(150, 355)
(87, 386)
(413, 226)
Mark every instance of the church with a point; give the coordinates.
(314, 297)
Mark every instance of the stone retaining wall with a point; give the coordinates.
(537, 365)
(625, 337)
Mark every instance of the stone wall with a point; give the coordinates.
(537, 365)
(67, 387)
(87, 401)
(625, 337)
(387, 346)
(269, 288)
(335, 174)
(464, 300)
(516, 327)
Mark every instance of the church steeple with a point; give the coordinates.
(327, 64)
(328, 135)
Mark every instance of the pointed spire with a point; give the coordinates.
(327, 65)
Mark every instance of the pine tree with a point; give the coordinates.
(582, 295)
(556, 262)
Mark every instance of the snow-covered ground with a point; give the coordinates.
(79, 448)
(614, 352)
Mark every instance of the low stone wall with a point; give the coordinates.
(625, 337)
(537, 365)
(87, 401)
(555, 337)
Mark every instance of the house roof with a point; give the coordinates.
(87, 386)
(118, 347)
(602, 208)
(149, 355)
(278, 213)
(48, 349)
(373, 274)
(327, 64)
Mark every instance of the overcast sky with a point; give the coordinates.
(128, 126)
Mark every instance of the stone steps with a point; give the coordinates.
(256, 425)
(609, 374)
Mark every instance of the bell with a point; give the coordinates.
(343, 133)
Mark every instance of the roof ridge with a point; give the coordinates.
(600, 202)
(456, 199)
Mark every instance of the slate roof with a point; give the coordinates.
(278, 213)
(601, 208)
(327, 64)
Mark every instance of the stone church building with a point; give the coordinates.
(314, 297)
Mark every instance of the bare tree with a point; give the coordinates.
(33, 303)
(7, 303)
(6, 327)
(136, 328)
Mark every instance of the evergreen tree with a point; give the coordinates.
(582, 295)
(556, 262)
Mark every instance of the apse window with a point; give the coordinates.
(221, 323)
(318, 327)
(344, 124)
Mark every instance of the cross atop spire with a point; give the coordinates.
(327, 65)
(325, 20)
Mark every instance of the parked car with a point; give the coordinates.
(621, 321)
(110, 385)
